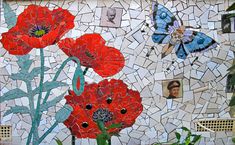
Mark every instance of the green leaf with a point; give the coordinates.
(232, 102)
(48, 86)
(114, 126)
(24, 62)
(101, 139)
(9, 15)
(178, 136)
(231, 8)
(196, 138)
(13, 94)
(114, 134)
(185, 129)
(232, 80)
(232, 68)
(20, 76)
(36, 71)
(44, 107)
(17, 109)
(58, 141)
(233, 140)
(63, 113)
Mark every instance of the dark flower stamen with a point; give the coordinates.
(85, 125)
(103, 115)
(39, 31)
(109, 100)
(123, 111)
(88, 106)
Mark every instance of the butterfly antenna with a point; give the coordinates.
(194, 61)
(148, 54)
(172, 63)
(198, 27)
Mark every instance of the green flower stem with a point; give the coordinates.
(47, 132)
(37, 111)
(104, 138)
(31, 106)
(58, 73)
(78, 73)
(109, 141)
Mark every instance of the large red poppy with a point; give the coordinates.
(109, 101)
(92, 52)
(37, 27)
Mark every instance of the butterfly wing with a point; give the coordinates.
(198, 41)
(163, 20)
(181, 51)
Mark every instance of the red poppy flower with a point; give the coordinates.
(109, 101)
(37, 27)
(92, 52)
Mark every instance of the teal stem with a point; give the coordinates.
(37, 111)
(78, 74)
(58, 73)
(31, 106)
(47, 132)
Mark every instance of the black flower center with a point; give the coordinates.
(88, 106)
(85, 125)
(123, 111)
(39, 31)
(103, 115)
(109, 100)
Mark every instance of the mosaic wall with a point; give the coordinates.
(144, 65)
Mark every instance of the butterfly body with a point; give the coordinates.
(171, 32)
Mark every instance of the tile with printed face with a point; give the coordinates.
(228, 23)
(172, 89)
(111, 17)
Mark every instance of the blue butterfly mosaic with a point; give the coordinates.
(172, 32)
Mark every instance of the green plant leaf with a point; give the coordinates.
(20, 76)
(232, 68)
(36, 71)
(9, 15)
(185, 129)
(63, 113)
(233, 140)
(178, 136)
(13, 94)
(196, 138)
(44, 107)
(101, 139)
(231, 8)
(24, 62)
(58, 141)
(49, 86)
(114, 134)
(17, 109)
(232, 80)
(114, 126)
(232, 102)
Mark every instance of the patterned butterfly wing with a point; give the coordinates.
(198, 41)
(163, 19)
(181, 51)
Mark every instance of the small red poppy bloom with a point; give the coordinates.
(108, 101)
(92, 52)
(37, 27)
